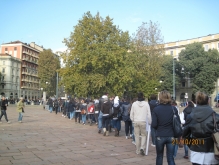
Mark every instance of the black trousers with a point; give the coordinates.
(128, 127)
(3, 113)
(78, 115)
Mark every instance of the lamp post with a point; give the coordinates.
(57, 81)
(174, 92)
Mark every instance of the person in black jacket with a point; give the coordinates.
(153, 103)
(4, 104)
(162, 122)
(105, 109)
(187, 112)
(198, 128)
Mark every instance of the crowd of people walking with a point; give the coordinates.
(198, 121)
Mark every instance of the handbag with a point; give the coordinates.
(22, 110)
(215, 137)
(177, 128)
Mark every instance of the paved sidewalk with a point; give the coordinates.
(48, 139)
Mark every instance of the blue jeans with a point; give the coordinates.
(160, 143)
(176, 146)
(100, 123)
(50, 109)
(83, 118)
(72, 114)
(20, 116)
(186, 150)
(117, 124)
(153, 137)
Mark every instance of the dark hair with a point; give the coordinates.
(164, 97)
(153, 97)
(201, 98)
(140, 96)
(190, 104)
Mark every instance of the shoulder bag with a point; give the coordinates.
(177, 128)
(215, 137)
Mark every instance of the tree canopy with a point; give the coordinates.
(200, 65)
(48, 65)
(96, 57)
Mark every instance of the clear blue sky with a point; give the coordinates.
(48, 22)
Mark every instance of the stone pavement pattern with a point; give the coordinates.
(48, 139)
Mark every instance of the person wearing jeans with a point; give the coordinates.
(105, 108)
(100, 121)
(162, 122)
(20, 107)
(83, 106)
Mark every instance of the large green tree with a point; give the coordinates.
(47, 71)
(200, 65)
(96, 58)
(146, 58)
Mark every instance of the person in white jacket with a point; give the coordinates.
(140, 114)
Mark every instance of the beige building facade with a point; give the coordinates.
(10, 68)
(210, 41)
(28, 54)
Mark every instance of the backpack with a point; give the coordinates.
(117, 112)
(91, 109)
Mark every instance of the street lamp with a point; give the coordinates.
(174, 92)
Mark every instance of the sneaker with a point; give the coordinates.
(142, 152)
(126, 137)
(84, 123)
(185, 157)
(96, 123)
(137, 153)
(20, 121)
(130, 135)
(99, 131)
(8, 122)
(153, 145)
(133, 142)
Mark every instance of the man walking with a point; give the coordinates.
(140, 114)
(4, 104)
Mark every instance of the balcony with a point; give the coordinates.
(23, 72)
(24, 65)
(25, 79)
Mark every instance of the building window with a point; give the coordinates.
(3, 70)
(206, 47)
(15, 48)
(3, 62)
(6, 49)
(183, 84)
(171, 53)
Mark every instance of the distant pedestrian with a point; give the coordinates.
(4, 104)
(20, 109)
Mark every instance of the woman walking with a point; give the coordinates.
(162, 122)
(20, 109)
(83, 108)
(105, 109)
(125, 110)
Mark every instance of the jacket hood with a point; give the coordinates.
(116, 101)
(200, 113)
(141, 103)
(153, 102)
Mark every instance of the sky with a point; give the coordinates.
(48, 22)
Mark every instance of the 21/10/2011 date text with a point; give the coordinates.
(188, 141)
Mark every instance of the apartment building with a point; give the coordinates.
(210, 41)
(10, 68)
(29, 55)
